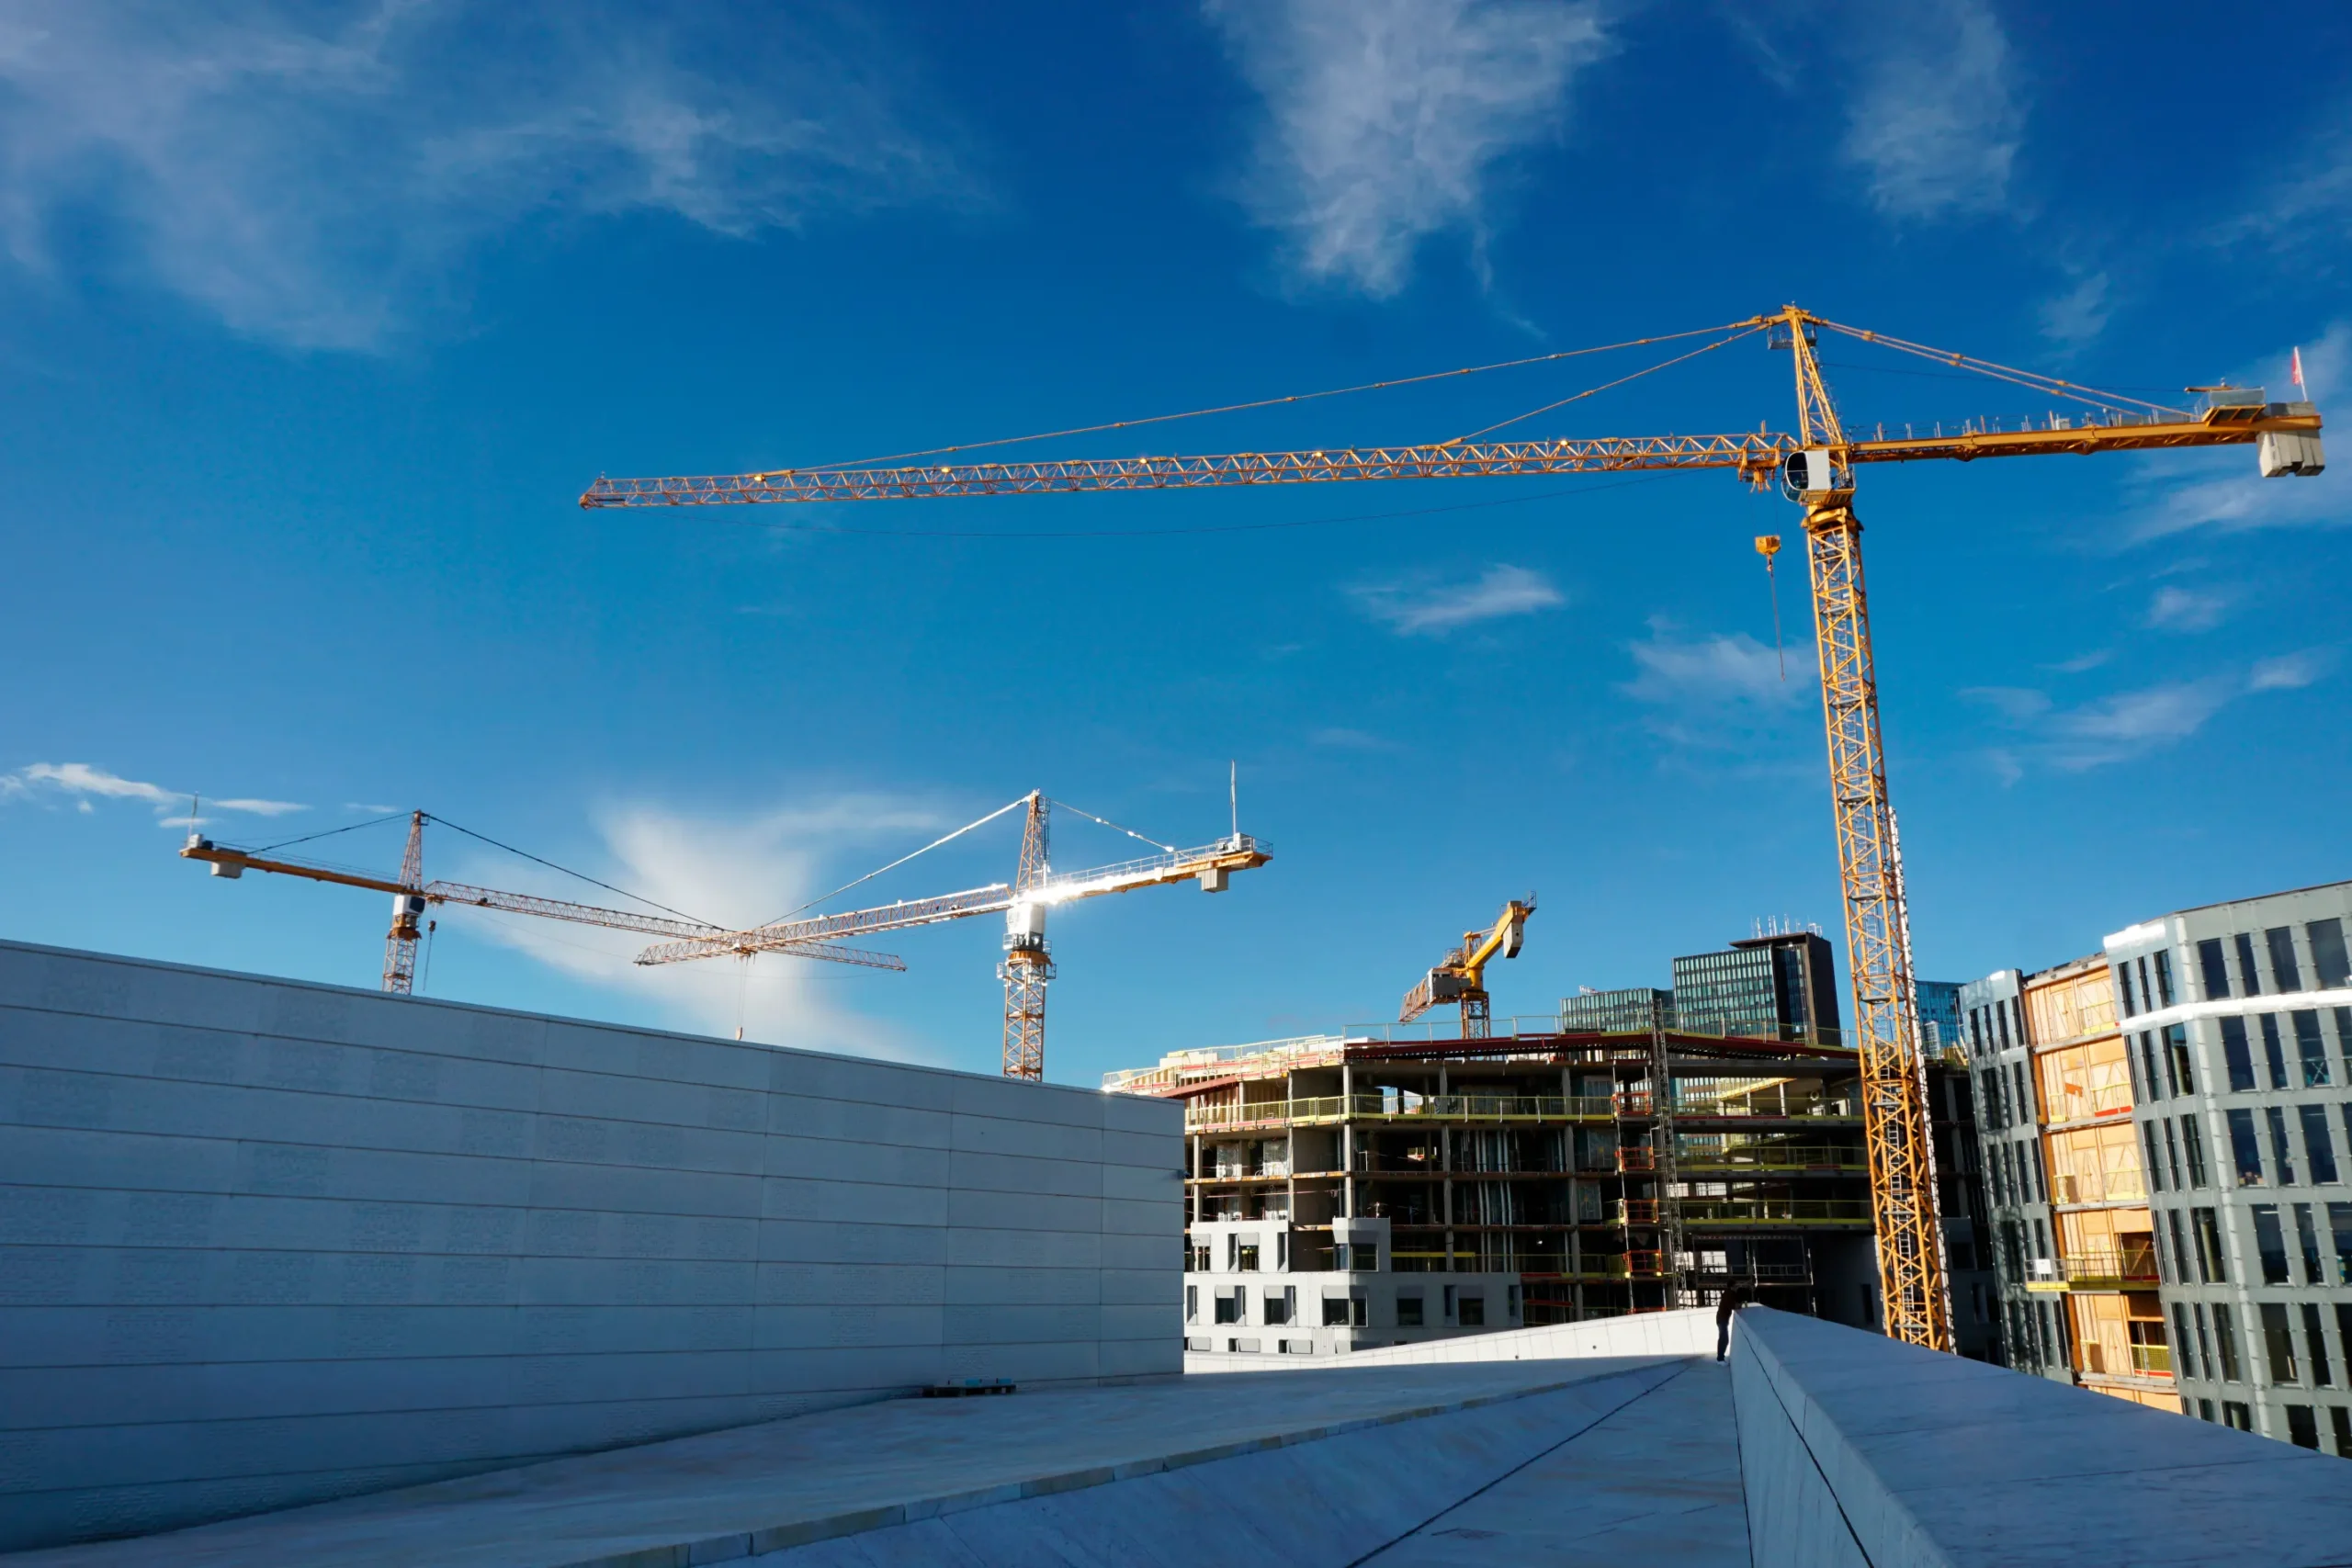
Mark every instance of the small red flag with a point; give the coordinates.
(2298, 376)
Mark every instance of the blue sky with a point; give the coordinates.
(316, 320)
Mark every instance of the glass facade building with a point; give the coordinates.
(1768, 987)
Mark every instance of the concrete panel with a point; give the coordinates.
(263, 1244)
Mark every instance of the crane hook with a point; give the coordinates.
(1767, 546)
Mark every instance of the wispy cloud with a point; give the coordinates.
(1339, 738)
(82, 782)
(1385, 121)
(1936, 123)
(2222, 491)
(311, 176)
(2125, 726)
(2082, 662)
(2187, 609)
(1718, 668)
(738, 872)
(2073, 318)
(1421, 608)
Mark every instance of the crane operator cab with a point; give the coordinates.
(1811, 477)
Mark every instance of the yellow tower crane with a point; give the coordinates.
(1461, 975)
(1036, 888)
(1815, 466)
(412, 895)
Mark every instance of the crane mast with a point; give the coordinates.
(1815, 466)
(1028, 960)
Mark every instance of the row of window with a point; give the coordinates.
(2302, 1422)
(2206, 1344)
(2270, 1227)
(2330, 966)
(2018, 1173)
(1458, 1307)
(2176, 1149)
(1247, 1256)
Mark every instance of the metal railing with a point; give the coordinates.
(2105, 1100)
(1711, 1211)
(1395, 1107)
(2104, 1268)
(1772, 1157)
(2098, 1187)
(2154, 1360)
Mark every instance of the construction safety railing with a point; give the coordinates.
(2111, 1269)
(1701, 1103)
(2097, 1186)
(2073, 1104)
(1409, 1107)
(1714, 1212)
(2155, 1361)
(1771, 1156)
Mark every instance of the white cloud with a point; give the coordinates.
(310, 174)
(738, 873)
(1412, 609)
(1936, 121)
(2179, 492)
(2124, 725)
(1718, 669)
(2186, 609)
(1385, 120)
(2076, 317)
(83, 781)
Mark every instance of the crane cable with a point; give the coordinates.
(1605, 386)
(2033, 379)
(1130, 832)
(1275, 402)
(1009, 806)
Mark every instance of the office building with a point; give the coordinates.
(1768, 987)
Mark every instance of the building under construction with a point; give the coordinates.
(1359, 1190)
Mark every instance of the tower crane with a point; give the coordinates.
(412, 896)
(1814, 465)
(1028, 962)
(1461, 975)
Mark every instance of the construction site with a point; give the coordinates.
(692, 1250)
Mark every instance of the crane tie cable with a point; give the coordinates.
(1275, 402)
(894, 866)
(1606, 386)
(1130, 832)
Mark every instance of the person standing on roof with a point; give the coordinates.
(1731, 1302)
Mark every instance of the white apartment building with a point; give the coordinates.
(1243, 1296)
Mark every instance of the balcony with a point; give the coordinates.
(2152, 1360)
(1771, 1156)
(2111, 1269)
(1714, 1214)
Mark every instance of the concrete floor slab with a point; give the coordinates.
(764, 1488)
(1657, 1482)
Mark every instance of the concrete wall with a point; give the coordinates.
(263, 1243)
(1857, 1451)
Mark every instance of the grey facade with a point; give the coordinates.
(1766, 988)
(263, 1243)
(1631, 1010)
(2238, 1018)
(2021, 1224)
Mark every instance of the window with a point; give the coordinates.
(2281, 1154)
(1408, 1310)
(2342, 1420)
(2040, 1241)
(1282, 1306)
(2235, 1052)
(2179, 1249)
(2187, 1350)
(2205, 1348)
(1339, 1257)
(2192, 1142)
(1991, 1094)
(2236, 1414)
(2279, 1344)
(2123, 987)
(1449, 1304)
(2225, 1339)
(2243, 1149)
(2209, 963)
(2311, 1050)
(1335, 1312)
(1228, 1307)
(1474, 1311)
(2156, 1166)
(2271, 1243)
(2040, 1177)
(2307, 1241)
(2211, 1269)
(2025, 1096)
(2163, 979)
(1247, 1259)
(2148, 1065)
(2204, 1410)
(2302, 1429)
(2315, 1345)
(2013, 1248)
(2272, 1055)
(2172, 1155)
(1368, 1257)
(2001, 1017)
(1192, 1303)
(2180, 1073)
(2249, 980)
(1232, 1251)
(2344, 1037)
(2330, 966)
(2284, 975)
